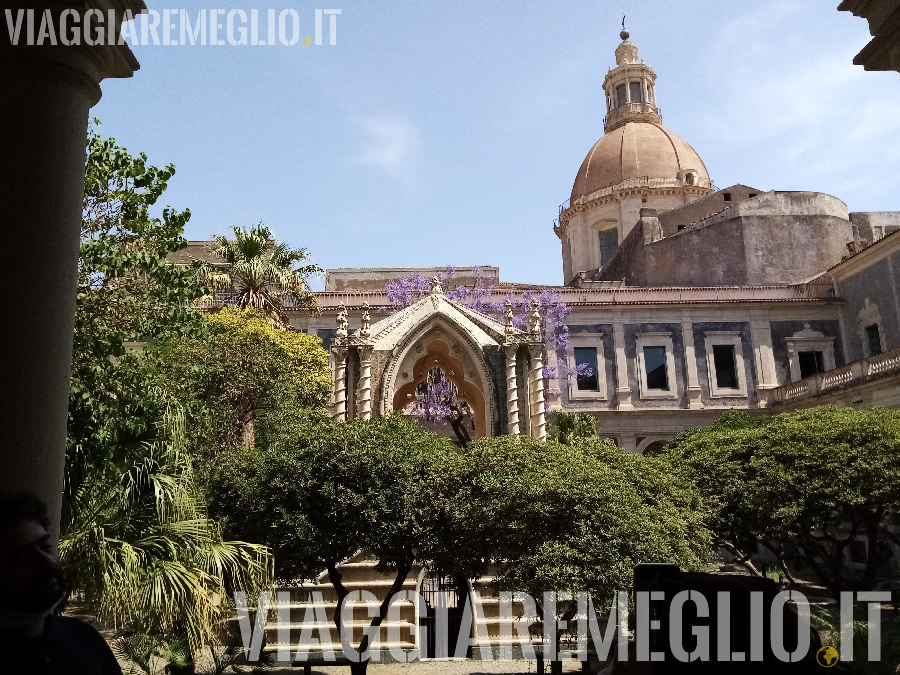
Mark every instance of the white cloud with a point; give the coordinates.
(392, 145)
(787, 97)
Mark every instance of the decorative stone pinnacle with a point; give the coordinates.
(509, 328)
(342, 322)
(364, 330)
(436, 288)
(534, 317)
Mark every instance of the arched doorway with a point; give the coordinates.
(440, 407)
(438, 380)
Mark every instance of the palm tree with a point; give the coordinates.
(140, 551)
(264, 274)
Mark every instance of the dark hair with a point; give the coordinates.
(22, 507)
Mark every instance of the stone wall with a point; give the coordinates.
(876, 287)
(773, 238)
(696, 211)
(863, 222)
(372, 279)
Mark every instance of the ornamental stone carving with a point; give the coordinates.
(364, 330)
(342, 322)
(436, 288)
(534, 318)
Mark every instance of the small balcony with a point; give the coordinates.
(641, 111)
(858, 372)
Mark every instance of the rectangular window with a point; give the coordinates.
(636, 93)
(726, 196)
(587, 356)
(655, 365)
(620, 96)
(874, 339)
(726, 367)
(609, 244)
(811, 363)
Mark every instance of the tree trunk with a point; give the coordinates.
(359, 668)
(247, 430)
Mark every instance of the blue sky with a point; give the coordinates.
(447, 133)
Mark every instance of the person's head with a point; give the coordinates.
(30, 576)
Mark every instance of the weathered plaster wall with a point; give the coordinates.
(865, 221)
(878, 284)
(704, 256)
(704, 208)
(370, 279)
(773, 238)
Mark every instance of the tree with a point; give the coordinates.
(136, 542)
(140, 550)
(574, 518)
(570, 427)
(263, 273)
(812, 482)
(241, 366)
(127, 292)
(382, 487)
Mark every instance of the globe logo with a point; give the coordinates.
(827, 657)
(307, 41)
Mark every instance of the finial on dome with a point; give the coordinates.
(624, 34)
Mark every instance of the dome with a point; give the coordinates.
(633, 150)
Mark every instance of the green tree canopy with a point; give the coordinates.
(127, 292)
(382, 487)
(811, 482)
(241, 366)
(577, 517)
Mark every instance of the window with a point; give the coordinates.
(636, 92)
(609, 244)
(726, 196)
(725, 363)
(655, 368)
(655, 365)
(689, 179)
(877, 233)
(587, 348)
(873, 337)
(682, 227)
(587, 356)
(620, 95)
(811, 363)
(809, 352)
(726, 369)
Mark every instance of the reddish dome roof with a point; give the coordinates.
(634, 150)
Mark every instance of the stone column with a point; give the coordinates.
(623, 388)
(694, 392)
(48, 92)
(538, 418)
(764, 358)
(340, 383)
(512, 391)
(365, 383)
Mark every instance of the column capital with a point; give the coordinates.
(82, 64)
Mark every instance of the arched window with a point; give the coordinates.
(637, 94)
(621, 96)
